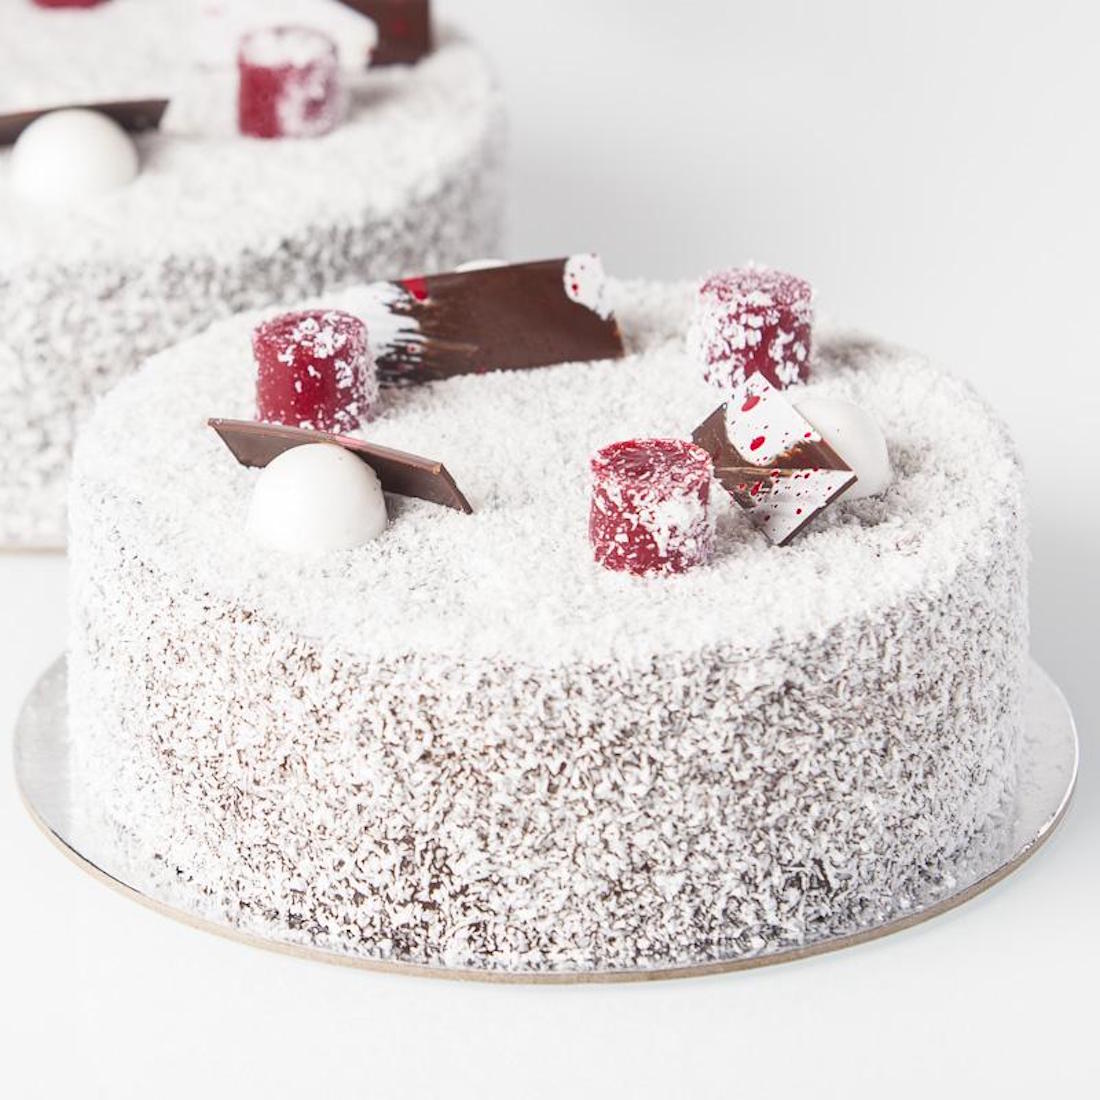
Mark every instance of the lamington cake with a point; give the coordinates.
(215, 221)
(484, 740)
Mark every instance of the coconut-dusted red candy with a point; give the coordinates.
(289, 83)
(314, 370)
(771, 460)
(749, 320)
(650, 510)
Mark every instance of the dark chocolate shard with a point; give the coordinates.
(404, 29)
(131, 114)
(510, 317)
(771, 460)
(409, 475)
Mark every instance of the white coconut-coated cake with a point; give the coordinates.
(466, 745)
(215, 222)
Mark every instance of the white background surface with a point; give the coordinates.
(933, 168)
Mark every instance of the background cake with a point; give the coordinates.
(215, 222)
(467, 745)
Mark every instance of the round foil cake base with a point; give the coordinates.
(55, 549)
(1048, 772)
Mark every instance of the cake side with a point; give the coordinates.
(686, 796)
(608, 819)
(421, 159)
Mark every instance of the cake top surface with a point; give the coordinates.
(516, 580)
(206, 191)
(142, 49)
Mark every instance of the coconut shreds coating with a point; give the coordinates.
(468, 745)
(217, 224)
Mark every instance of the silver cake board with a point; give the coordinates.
(56, 549)
(1048, 772)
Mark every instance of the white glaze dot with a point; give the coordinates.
(70, 154)
(315, 498)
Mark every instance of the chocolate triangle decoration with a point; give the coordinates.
(510, 317)
(256, 444)
(404, 29)
(131, 114)
(771, 460)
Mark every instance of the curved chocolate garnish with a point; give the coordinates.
(771, 460)
(256, 444)
(510, 317)
(131, 114)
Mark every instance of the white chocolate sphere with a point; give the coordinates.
(855, 436)
(315, 498)
(67, 155)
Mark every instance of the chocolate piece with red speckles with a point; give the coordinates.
(650, 510)
(405, 474)
(498, 318)
(131, 114)
(314, 370)
(404, 29)
(772, 462)
(753, 319)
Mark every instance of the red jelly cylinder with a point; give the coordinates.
(289, 83)
(650, 510)
(314, 370)
(752, 319)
